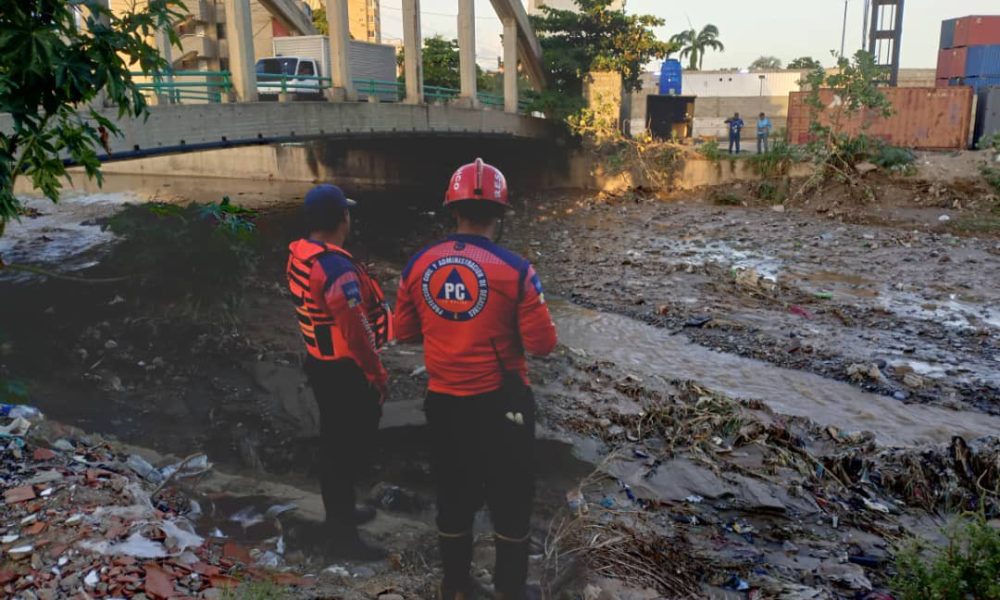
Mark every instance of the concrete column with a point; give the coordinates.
(467, 50)
(239, 35)
(340, 51)
(510, 65)
(413, 52)
(166, 51)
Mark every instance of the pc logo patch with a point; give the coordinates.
(455, 288)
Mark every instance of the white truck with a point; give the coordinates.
(300, 61)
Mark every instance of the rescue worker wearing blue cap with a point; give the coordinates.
(345, 322)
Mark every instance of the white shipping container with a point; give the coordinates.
(728, 85)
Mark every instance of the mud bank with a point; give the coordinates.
(697, 343)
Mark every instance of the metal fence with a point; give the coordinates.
(189, 87)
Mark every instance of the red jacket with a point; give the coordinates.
(466, 296)
(340, 308)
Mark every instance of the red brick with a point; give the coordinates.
(158, 583)
(19, 494)
(43, 454)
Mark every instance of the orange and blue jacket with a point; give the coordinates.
(478, 307)
(340, 308)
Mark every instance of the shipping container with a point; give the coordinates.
(741, 85)
(951, 63)
(927, 118)
(980, 83)
(988, 114)
(983, 61)
(948, 34)
(669, 117)
(943, 82)
(977, 31)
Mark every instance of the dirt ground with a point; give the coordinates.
(697, 338)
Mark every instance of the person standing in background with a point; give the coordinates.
(763, 133)
(735, 130)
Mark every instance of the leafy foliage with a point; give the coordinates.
(52, 70)
(319, 21)
(441, 66)
(766, 63)
(804, 63)
(855, 86)
(777, 161)
(596, 38)
(895, 159)
(711, 150)
(205, 250)
(968, 566)
(695, 44)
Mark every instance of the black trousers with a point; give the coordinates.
(483, 451)
(349, 413)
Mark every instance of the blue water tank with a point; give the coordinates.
(670, 78)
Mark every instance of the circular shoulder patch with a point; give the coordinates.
(455, 288)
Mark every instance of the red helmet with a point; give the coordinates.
(477, 181)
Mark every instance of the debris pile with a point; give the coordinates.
(80, 518)
(745, 500)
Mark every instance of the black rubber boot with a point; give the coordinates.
(511, 573)
(456, 559)
(363, 514)
(349, 545)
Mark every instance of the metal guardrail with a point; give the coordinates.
(185, 87)
(181, 87)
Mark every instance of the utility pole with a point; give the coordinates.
(843, 35)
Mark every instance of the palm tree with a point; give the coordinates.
(695, 44)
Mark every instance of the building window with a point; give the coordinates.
(223, 64)
(220, 31)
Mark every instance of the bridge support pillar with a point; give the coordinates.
(413, 59)
(342, 87)
(239, 33)
(467, 51)
(510, 91)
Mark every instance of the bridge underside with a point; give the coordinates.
(174, 129)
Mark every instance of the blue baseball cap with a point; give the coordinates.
(326, 197)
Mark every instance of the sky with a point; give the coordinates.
(783, 28)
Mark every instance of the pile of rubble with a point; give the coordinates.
(703, 495)
(80, 519)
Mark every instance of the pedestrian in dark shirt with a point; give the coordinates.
(735, 129)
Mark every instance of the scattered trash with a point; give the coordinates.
(698, 322)
(577, 503)
(737, 583)
(795, 309)
(944, 218)
(694, 499)
(20, 411)
(877, 506)
(417, 372)
(143, 469)
(824, 295)
(395, 498)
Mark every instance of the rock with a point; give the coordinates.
(110, 345)
(900, 395)
(780, 208)
(859, 372)
(591, 592)
(913, 380)
(64, 445)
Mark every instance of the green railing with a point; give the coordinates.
(185, 87)
(188, 87)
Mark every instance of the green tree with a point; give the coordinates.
(833, 148)
(766, 63)
(804, 63)
(694, 44)
(52, 74)
(596, 37)
(320, 22)
(441, 62)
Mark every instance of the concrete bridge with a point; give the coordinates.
(178, 128)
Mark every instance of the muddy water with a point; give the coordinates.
(649, 350)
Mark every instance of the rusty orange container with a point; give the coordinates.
(923, 118)
(951, 63)
(981, 30)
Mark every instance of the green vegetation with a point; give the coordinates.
(835, 152)
(778, 160)
(441, 67)
(804, 63)
(695, 44)
(52, 70)
(203, 251)
(990, 172)
(319, 20)
(895, 159)
(711, 150)
(766, 63)
(968, 566)
(597, 38)
(256, 590)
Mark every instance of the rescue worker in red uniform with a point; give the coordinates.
(345, 322)
(478, 307)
